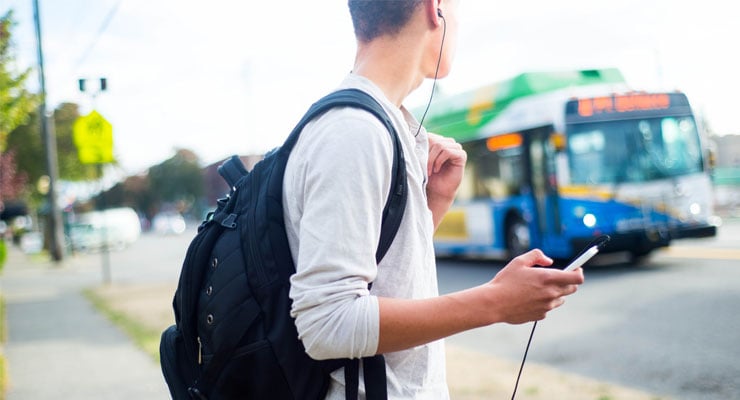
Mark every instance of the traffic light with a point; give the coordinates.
(103, 84)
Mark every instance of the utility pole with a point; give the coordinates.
(54, 217)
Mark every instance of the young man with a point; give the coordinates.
(335, 188)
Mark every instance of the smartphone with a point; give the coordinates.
(597, 244)
(580, 260)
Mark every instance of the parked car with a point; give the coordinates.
(116, 227)
(168, 223)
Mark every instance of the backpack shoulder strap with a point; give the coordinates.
(396, 201)
(374, 367)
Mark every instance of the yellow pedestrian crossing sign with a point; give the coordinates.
(93, 136)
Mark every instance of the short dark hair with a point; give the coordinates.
(374, 18)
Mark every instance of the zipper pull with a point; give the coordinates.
(200, 352)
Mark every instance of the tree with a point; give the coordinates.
(12, 183)
(70, 167)
(134, 192)
(27, 143)
(16, 103)
(174, 184)
(177, 181)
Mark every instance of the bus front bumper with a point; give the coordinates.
(644, 241)
(695, 232)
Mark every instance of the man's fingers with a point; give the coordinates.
(534, 257)
(441, 150)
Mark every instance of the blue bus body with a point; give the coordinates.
(630, 165)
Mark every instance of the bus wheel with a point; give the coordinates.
(517, 237)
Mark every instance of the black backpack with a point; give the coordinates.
(234, 337)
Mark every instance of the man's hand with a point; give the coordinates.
(520, 292)
(526, 293)
(445, 169)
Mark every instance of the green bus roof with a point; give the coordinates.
(461, 116)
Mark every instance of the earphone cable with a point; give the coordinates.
(526, 350)
(436, 72)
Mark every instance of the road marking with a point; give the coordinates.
(701, 252)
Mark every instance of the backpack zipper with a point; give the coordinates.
(200, 351)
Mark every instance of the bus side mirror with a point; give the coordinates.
(557, 140)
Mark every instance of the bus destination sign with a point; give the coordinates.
(623, 103)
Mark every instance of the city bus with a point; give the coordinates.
(556, 159)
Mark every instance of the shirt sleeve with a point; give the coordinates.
(340, 182)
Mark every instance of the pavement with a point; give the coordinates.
(59, 346)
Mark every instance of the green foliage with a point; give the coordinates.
(15, 101)
(30, 156)
(3, 254)
(70, 168)
(15, 105)
(178, 179)
(20, 132)
(136, 192)
(3, 339)
(176, 183)
(27, 143)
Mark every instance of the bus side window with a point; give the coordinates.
(492, 174)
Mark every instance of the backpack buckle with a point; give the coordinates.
(229, 221)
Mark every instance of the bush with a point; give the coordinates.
(3, 254)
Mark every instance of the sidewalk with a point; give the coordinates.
(58, 346)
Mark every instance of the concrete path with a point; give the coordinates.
(59, 346)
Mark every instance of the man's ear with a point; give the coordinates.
(433, 12)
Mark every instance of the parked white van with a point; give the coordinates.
(116, 227)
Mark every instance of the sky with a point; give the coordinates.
(225, 77)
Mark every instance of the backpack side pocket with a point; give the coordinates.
(174, 367)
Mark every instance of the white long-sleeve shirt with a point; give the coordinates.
(336, 184)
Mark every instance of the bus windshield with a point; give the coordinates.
(634, 150)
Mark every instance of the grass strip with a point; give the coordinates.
(3, 339)
(143, 336)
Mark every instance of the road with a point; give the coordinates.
(668, 327)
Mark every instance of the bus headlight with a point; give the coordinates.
(695, 208)
(589, 220)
